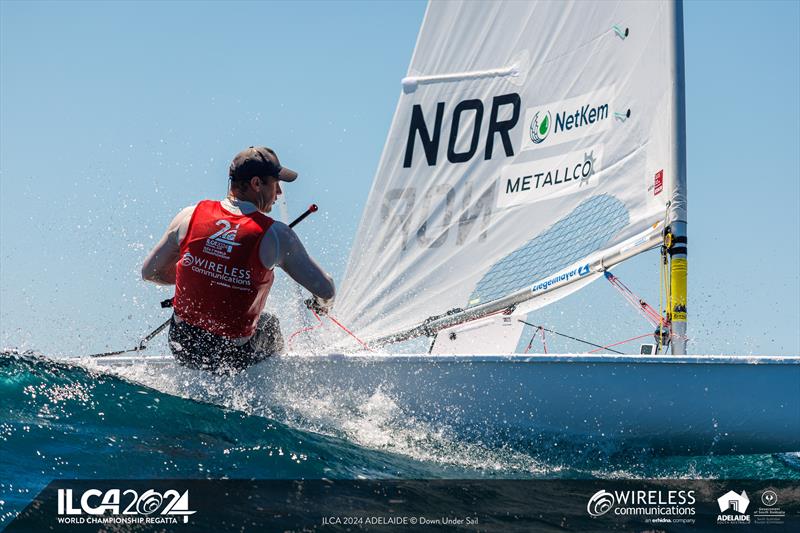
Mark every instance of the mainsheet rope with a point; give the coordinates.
(332, 319)
(620, 342)
(567, 336)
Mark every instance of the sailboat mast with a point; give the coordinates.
(677, 211)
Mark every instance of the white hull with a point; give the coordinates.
(676, 405)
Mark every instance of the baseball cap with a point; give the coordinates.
(259, 161)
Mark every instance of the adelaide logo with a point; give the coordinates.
(733, 508)
(737, 503)
(540, 126)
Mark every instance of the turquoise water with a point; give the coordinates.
(66, 422)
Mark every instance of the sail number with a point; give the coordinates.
(400, 205)
(429, 139)
(428, 217)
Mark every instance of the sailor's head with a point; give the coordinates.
(255, 175)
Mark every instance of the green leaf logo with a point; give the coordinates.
(540, 126)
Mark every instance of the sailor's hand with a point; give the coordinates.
(317, 305)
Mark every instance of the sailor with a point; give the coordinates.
(221, 256)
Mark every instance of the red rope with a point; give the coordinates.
(621, 342)
(650, 314)
(362, 343)
(540, 329)
(332, 319)
(302, 330)
(530, 343)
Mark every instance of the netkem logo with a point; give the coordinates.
(583, 116)
(567, 120)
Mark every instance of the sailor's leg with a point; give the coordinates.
(182, 345)
(268, 339)
(196, 348)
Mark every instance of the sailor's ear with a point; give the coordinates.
(256, 183)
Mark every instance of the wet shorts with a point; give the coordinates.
(197, 348)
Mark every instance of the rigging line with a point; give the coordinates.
(332, 319)
(535, 333)
(649, 313)
(302, 330)
(533, 337)
(568, 337)
(643, 307)
(621, 342)
(142, 343)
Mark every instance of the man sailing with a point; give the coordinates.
(221, 255)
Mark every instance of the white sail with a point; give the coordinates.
(533, 143)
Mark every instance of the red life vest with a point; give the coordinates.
(221, 285)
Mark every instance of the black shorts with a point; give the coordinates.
(197, 348)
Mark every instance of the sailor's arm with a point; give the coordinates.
(159, 266)
(291, 256)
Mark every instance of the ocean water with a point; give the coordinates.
(62, 421)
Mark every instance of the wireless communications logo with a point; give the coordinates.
(654, 506)
(600, 503)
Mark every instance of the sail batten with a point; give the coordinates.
(410, 83)
(528, 142)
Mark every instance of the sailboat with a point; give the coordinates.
(534, 147)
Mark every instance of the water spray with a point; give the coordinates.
(313, 208)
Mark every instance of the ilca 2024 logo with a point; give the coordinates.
(115, 506)
(221, 243)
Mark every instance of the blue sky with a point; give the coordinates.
(114, 115)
